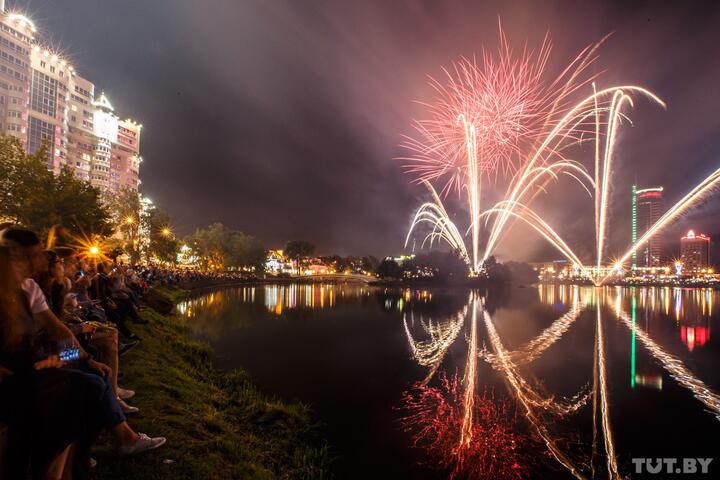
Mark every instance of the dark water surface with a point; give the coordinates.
(525, 382)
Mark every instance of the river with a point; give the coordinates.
(536, 382)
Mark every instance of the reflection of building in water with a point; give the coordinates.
(399, 300)
(691, 309)
(292, 296)
(643, 370)
(694, 336)
(275, 298)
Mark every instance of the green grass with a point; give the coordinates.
(218, 425)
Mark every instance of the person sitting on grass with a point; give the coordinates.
(116, 311)
(99, 339)
(48, 406)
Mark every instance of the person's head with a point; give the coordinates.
(26, 257)
(56, 266)
(70, 260)
(100, 267)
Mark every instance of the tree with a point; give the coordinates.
(220, 247)
(245, 251)
(521, 273)
(32, 196)
(126, 218)
(497, 272)
(298, 251)
(370, 263)
(163, 244)
(444, 266)
(389, 268)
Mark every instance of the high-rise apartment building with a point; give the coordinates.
(694, 252)
(50, 84)
(43, 102)
(16, 38)
(81, 128)
(647, 208)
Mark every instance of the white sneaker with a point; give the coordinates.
(142, 443)
(125, 394)
(127, 408)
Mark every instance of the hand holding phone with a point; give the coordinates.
(70, 354)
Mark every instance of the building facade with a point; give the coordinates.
(50, 82)
(694, 252)
(16, 40)
(44, 103)
(647, 208)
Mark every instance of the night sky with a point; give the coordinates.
(282, 118)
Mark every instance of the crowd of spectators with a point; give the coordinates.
(64, 326)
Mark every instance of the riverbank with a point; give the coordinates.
(218, 425)
(588, 283)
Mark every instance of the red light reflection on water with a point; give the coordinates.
(435, 420)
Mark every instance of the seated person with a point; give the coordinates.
(48, 408)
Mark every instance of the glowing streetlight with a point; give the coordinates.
(129, 220)
(166, 232)
(94, 250)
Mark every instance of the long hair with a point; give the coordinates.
(11, 329)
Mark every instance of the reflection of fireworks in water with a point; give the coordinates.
(436, 417)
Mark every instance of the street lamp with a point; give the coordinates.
(166, 232)
(129, 220)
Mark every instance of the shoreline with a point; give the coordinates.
(218, 424)
(714, 286)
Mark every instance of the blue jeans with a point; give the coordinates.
(107, 412)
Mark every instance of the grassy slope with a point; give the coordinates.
(217, 424)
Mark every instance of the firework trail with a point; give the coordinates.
(484, 119)
(602, 400)
(523, 186)
(682, 206)
(537, 346)
(675, 368)
(442, 335)
(514, 381)
(443, 228)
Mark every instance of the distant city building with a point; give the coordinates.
(647, 208)
(694, 252)
(44, 102)
(276, 262)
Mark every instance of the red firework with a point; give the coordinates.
(498, 107)
(435, 420)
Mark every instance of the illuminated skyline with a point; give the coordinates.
(333, 111)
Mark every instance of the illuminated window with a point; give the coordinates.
(40, 133)
(43, 94)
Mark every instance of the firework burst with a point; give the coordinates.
(490, 106)
(486, 117)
